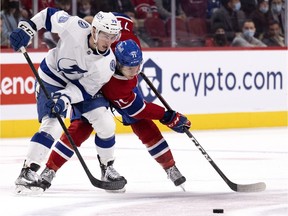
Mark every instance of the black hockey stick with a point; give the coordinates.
(256, 187)
(116, 185)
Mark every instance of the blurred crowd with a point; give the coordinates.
(198, 23)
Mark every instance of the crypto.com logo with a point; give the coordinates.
(154, 74)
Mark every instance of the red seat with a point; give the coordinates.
(180, 27)
(155, 29)
(197, 27)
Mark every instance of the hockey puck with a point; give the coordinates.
(218, 211)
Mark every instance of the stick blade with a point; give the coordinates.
(115, 185)
(256, 187)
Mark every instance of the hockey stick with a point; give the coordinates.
(116, 185)
(256, 187)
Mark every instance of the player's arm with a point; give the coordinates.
(135, 106)
(50, 18)
(172, 119)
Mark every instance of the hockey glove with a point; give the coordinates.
(176, 121)
(22, 35)
(58, 104)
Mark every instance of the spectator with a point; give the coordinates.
(65, 5)
(212, 5)
(248, 6)
(277, 13)
(27, 7)
(219, 38)
(246, 38)
(273, 36)
(10, 16)
(4, 40)
(195, 8)
(164, 9)
(49, 38)
(120, 6)
(88, 19)
(260, 17)
(230, 16)
(84, 8)
(145, 9)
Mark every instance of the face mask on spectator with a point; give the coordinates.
(220, 39)
(248, 33)
(264, 9)
(277, 8)
(237, 6)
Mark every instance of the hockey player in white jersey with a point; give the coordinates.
(72, 72)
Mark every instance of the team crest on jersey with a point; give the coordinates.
(113, 65)
(63, 19)
(69, 66)
(83, 24)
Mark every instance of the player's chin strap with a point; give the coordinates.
(256, 187)
(95, 40)
(116, 185)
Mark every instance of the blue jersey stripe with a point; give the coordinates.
(137, 105)
(104, 143)
(158, 148)
(49, 73)
(50, 12)
(43, 139)
(85, 95)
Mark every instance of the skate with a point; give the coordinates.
(176, 177)
(47, 176)
(28, 180)
(108, 173)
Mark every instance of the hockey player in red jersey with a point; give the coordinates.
(123, 93)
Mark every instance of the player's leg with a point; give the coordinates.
(39, 145)
(79, 131)
(158, 148)
(104, 125)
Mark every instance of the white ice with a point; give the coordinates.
(245, 156)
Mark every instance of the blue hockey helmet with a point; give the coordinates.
(128, 53)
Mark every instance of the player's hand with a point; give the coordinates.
(58, 104)
(22, 35)
(176, 121)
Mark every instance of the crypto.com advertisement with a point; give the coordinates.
(219, 81)
(192, 82)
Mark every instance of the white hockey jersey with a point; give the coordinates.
(72, 64)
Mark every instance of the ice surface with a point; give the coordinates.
(245, 156)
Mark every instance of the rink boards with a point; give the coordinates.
(215, 89)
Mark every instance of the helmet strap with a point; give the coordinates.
(95, 40)
(95, 36)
